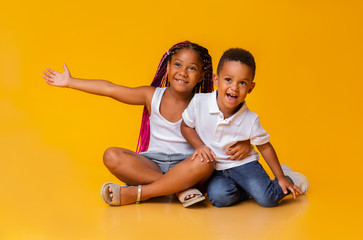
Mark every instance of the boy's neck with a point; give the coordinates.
(232, 112)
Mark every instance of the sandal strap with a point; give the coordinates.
(138, 194)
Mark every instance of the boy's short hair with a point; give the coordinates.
(239, 55)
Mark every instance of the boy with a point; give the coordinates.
(215, 121)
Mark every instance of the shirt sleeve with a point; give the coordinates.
(258, 135)
(189, 114)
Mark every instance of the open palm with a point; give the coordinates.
(58, 79)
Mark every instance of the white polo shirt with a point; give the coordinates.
(219, 134)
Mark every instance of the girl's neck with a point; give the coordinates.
(179, 96)
(173, 104)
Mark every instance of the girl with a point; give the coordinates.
(165, 165)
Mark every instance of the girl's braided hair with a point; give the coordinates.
(161, 80)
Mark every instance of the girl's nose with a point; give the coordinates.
(183, 72)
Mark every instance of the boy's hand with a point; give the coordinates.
(239, 150)
(204, 153)
(55, 78)
(285, 184)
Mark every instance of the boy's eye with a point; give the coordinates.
(243, 83)
(228, 79)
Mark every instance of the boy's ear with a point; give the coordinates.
(215, 80)
(253, 84)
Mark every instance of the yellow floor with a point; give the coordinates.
(46, 195)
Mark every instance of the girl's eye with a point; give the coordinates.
(177, 64)
(192, 68)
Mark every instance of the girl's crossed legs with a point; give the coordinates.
(135, 169)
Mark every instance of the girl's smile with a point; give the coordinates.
(181, 81)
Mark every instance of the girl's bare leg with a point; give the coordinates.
(184, 175)
(130, 167)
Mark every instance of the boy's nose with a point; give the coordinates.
(234, 86)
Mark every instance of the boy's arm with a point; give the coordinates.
(135, 96)
(269, 154)
(193, 138)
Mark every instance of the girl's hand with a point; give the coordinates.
(204, 153)
(239, 150)
(55, 78)
(285, 184)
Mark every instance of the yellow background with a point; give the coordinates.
(308, 95)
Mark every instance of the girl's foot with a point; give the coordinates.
(190, 197)
(116, 195)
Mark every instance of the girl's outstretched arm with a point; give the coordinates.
(135, 96)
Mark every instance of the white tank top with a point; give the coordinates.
(165, 136)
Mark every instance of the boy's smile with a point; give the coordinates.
(234, 82)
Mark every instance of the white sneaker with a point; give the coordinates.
(299, 179)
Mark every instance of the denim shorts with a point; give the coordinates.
(165, 161)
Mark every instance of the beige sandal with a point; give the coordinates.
(115, 200)
(198, 197)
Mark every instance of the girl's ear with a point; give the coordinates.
(167, 67)
(201, 77)
(215, 80)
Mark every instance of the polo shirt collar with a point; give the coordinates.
(213, 106)
(238, 117)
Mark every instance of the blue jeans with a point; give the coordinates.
(234, 185)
